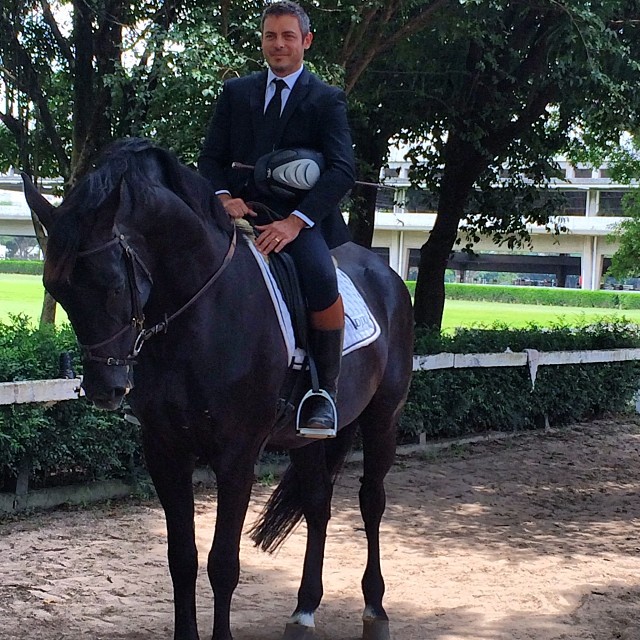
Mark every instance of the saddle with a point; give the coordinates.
(282, 281)
(298, 377)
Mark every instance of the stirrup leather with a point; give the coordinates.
(329, 432)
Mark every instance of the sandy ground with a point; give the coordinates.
(535, 537)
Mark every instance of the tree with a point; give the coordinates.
(371, 49)
(114, 72)
(122, 68)
(473, 85)
(625, 262)
(517, 82)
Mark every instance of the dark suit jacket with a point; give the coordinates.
(314, 117)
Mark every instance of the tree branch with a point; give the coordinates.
(379, 42)
(13, 124)
(62, 42)
(28, 83)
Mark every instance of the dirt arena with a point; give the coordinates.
(535, 537)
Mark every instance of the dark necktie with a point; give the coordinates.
(272, 115)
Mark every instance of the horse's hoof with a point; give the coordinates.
(298, 632)
(375, 629)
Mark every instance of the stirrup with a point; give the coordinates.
(306, 432)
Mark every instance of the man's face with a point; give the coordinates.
(283, 45)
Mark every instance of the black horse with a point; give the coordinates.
(142, 240)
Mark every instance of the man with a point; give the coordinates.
(313, 115)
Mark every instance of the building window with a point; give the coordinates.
(420, 201)
(384, 199)
(583, 173)
(611, 203)
(576, 203)
(414, 262)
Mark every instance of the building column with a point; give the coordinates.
(586, 264)
(593, 202)
(598, 259)
(395, 259)
(591, 264)
(403, 257)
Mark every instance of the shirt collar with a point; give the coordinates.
(290, 80)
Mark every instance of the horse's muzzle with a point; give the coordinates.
(106, 386)
(110, 401)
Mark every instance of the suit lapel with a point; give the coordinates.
(300, 90)
(256, 105)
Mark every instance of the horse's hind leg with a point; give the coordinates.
(315, 488)
(379, 444)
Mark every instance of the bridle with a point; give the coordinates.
(137, 314)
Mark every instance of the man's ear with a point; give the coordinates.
(308, 39)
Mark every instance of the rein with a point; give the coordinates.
(137, 318)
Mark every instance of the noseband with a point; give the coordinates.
(137, 314)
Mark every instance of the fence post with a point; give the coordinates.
(22, 484)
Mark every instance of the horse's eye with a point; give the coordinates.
(112, 303)
(116, 292)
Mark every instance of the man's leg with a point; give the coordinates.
(326, 323)
(326, 337)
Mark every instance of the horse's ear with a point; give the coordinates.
(107, 211)
(126, 201)
(37, 202)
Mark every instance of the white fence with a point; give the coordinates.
(69, 389)
(52, 391)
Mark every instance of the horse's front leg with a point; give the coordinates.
(234, 491)
(172, 479)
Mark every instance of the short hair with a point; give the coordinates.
(287, 8)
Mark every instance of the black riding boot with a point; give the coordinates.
(318, 413)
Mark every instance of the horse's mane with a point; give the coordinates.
(144, 167)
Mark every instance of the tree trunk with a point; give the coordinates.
(434, 255)
(48, 314)
(83, 87)
(362, 215)
(371, 155)
(462, 168)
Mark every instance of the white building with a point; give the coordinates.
(576, 258)
(594, 208)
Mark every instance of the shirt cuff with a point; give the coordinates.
(307, 221)
(223, 191)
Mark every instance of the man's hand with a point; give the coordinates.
(235, 207)
(275, 236)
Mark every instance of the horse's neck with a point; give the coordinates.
(184, 264)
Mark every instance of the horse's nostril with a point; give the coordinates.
(109, 400)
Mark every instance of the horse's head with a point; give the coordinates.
(99, 279)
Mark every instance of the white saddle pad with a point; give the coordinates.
(361, 328)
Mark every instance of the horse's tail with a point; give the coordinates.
(283, 510)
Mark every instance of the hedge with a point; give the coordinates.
(73, 441)
(64, 442)
(26, 267)
(540, 295)
(455, 402)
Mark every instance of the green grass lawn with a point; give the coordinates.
(466, 313)
(23, 294)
